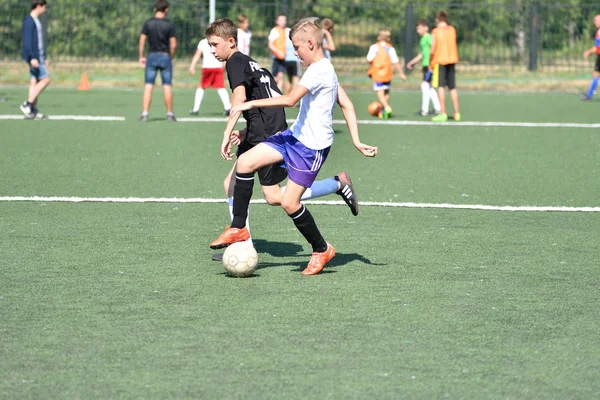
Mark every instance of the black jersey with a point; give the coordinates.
(159, 32)
(261, 122)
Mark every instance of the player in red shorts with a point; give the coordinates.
(213, 75)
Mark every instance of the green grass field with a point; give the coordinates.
(121, 300)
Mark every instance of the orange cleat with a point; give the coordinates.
(230, 236)
(318, 261)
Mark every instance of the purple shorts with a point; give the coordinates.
(303, 164)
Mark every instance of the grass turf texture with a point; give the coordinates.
(122, 300)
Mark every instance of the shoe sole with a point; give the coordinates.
(345, 179)
(217, 257)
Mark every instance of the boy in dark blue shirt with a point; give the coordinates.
(33, 52)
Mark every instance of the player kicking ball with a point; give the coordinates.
(303, 148)
(249, 81)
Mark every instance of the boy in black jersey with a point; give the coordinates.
(249, 81)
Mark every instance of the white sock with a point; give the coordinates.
(434, 99)
(224, 98)
(198, 99)
(425, 98)
(230, 204)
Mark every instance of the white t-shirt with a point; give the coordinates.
(208, 60)
(375, 48)
(314, 125)
(273, 35)
(243, 41)
(40, 35)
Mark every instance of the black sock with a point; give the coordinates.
(307, 226)
(242, 193)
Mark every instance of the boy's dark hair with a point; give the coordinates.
(423, 22)
(161, 5)
(442, 16)
(35, 3)
(223, 28)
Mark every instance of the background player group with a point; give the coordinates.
(267, 147)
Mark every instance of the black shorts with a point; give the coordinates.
(267, 176)
(447, 76)
(278, 66)
(427, 74)
(597, 66)
(291, 68)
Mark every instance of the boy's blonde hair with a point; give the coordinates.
(310, 29)
(242, 18)
(385, 36)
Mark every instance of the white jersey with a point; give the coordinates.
(375, 48)
(40, 35)
(314, 125)
(243, 41)
(208, 60)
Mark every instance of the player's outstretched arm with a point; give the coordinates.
(589, 51)
(350, 117)
(238, 98)
(287, 100)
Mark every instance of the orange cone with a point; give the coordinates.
(84, 84)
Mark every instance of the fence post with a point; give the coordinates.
(409, 38)
(534, 35)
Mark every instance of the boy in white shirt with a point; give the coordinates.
(244, 36)
(213, 75)
(303, 148)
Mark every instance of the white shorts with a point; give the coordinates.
(382, 85)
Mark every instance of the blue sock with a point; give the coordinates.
(321, 188)
(593, 87)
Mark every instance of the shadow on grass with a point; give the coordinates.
(340, 260)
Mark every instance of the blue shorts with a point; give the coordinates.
(278, 66)
(159, 62)
(39, 73)
(381, 85)
(303, 164)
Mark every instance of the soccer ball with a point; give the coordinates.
(240, 259)
(375, 108)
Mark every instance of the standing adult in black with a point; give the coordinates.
(160, 34)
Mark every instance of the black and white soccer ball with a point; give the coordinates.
(240, 259)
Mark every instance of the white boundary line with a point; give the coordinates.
(69, 118)
(174, 200)
(342, 122)
(431, 123)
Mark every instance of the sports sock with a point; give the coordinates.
(230, 204)
(434, 98)
(144, 113)
(170, 113)
(198, 99)
(319, 188)
(425, 102)
(593, 87)
(224, 98)
(307, 226)
(241, 198)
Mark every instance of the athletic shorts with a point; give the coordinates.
(267, 176)
(382, 85)
(427, 74)
(39, 73)
(303, 164)
(213, 77)
(291, 67)
(278, 66)
(447, 76)
(597, 66)
(159, 62)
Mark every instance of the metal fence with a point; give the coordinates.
(534, 34)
